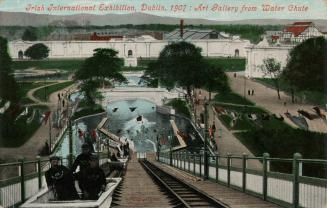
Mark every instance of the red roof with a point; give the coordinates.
(302, 23)
(296, 30)
(274, 37)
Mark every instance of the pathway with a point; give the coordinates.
(30, 149)
(266, 98)
(226, 141)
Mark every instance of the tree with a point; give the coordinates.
(8, 85)
(307, 65)
(272, 68)
(180, 64)
(29, 35)
(102, 68)
(37, 51)
(217, 80)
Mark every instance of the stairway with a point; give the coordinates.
(138, 189)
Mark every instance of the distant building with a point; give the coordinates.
(295, 33)
(194, 34)
(105, 36)
(274, 36)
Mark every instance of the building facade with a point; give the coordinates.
(295, 33)
(141, 47)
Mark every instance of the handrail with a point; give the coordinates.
(288, 189)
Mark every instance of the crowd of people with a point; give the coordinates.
(91, 178)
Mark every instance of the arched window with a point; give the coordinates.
(130, 53)
(20, 54)
(237, 53)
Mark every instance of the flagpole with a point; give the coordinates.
(50, 133)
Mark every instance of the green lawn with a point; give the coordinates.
(145, 61)
(277, 138)
(27, 86)
(63, 64)
(314, 97)
(228, 64)
(87, 110)
(232, 98)
(44, 92)
(133, 68)
(15, 133)
(180, 106)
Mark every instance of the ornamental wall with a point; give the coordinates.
(144, 49)
(256, 55)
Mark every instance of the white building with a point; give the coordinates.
(257, 53)
(295, 33)
(142, 47)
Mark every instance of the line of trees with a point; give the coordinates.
(181, 64)
(8, 86)
(306, 68)
(103, 68)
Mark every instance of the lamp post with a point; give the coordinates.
(244, 93)
(205, 158)
(70, 133)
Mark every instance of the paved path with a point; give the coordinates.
(226, 141)
(266, 98)
(31, 148)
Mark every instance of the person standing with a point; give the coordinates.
(82, 161)
(94, 181)
(213, 127)
(60, 180)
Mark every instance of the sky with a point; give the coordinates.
(317, 9)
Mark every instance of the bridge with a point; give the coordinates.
(155, 95)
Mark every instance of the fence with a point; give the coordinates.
(29, 180)
(288, 190)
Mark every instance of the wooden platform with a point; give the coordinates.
(138, 189)
(231, 197)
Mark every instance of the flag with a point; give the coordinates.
(94, 134)
(46, 117)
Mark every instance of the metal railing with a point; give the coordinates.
(28, 181)
(285, 189)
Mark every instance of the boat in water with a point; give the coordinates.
(45, 198)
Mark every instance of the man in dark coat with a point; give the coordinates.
(94, 180)
(60, 180)
(82, 161)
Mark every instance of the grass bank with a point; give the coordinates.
(180, 106)
(314, 97)
(62, 64)
(44, 92)
(232, 98)
(15, 131)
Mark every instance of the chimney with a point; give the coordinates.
(181, 28)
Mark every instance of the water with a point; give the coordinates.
(137, 121)
(133, 81)
(86, 125)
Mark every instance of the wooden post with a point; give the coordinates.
(229, 163)
(296, 174)
(265, 176)
(39, 171)
(244, 158)
(217, 168)
(22, 180)
(170, 158)
(200, 165)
